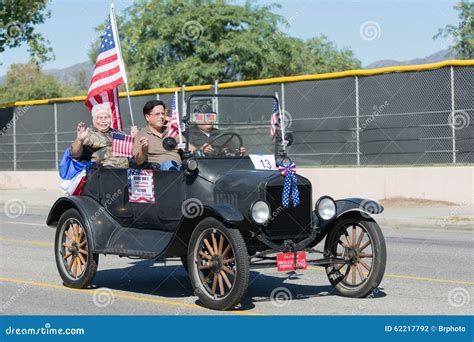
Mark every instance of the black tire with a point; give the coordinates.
(228, 265)
(77, 251)
(369, 272)
(184, 260)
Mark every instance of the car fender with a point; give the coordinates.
(97, 221)
(226, 213)
(363, 205)
(346, 206)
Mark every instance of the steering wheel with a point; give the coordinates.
(220, 149)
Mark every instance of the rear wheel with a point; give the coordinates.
(76, 263)
(360, 242)
(218, 264)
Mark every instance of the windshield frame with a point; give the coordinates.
(188, 124)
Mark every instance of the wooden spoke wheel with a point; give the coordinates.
(74, 249)
(361, 244)
(76, 264)
(218, 264)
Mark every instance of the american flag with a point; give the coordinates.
(275, 120)
(122, 145)
(199, 117)
(107, 77)
(173, 122)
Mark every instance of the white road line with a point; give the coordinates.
(26, 223)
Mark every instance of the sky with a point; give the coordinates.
(374, 30)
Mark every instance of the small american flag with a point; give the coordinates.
(173, 122)
(199, 117)
(107, 76)
(275, 120)
(122, 145)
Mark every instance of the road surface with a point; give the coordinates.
(428, 272)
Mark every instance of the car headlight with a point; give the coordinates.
(260, 212)
(326, 208)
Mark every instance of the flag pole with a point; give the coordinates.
(180, 137)
(282, 123)
(113, 22)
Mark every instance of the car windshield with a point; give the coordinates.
(231, 125)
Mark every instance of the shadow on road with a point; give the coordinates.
(172, 281)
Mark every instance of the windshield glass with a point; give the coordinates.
(230, 126)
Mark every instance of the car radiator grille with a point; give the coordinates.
(289, 223)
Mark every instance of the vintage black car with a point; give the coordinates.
(222, 214)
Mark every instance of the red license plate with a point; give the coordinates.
(286, 261)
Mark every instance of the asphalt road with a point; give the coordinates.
(428, 272)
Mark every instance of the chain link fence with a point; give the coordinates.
(422, 117)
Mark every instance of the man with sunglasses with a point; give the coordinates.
(148, 147)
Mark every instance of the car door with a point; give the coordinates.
(169, 194)
(164, 214)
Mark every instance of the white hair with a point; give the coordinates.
(101, 108)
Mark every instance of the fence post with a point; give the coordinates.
(56, 147)
(283, 107)
(357, 119)
(216, 99)
(183, 100)
(14, 138)
(453, 116)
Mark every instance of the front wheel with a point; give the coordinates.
(218, 264)
(76, 263)
(360, 242)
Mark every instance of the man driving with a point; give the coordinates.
(202, 136)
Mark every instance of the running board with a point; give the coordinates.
(143, 243)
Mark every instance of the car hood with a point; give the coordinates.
(230, 173)
(246, 180)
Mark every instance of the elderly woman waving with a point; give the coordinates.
(95, 143)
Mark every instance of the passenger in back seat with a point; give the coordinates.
(95, 143)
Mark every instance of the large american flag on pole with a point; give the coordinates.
(173, 122)
(275, 120)
(107, 76)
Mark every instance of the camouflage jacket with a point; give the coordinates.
(97, 147)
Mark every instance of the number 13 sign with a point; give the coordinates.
(263, 161)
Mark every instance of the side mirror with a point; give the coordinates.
(190, 165)
(289, 139)
(169, 144)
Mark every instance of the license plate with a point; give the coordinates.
(286, 261)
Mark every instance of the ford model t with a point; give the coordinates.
(236, 205)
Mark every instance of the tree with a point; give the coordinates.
(171, 42)
(325, 56)
(27, 82)
(463, 33)
(17, 19)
